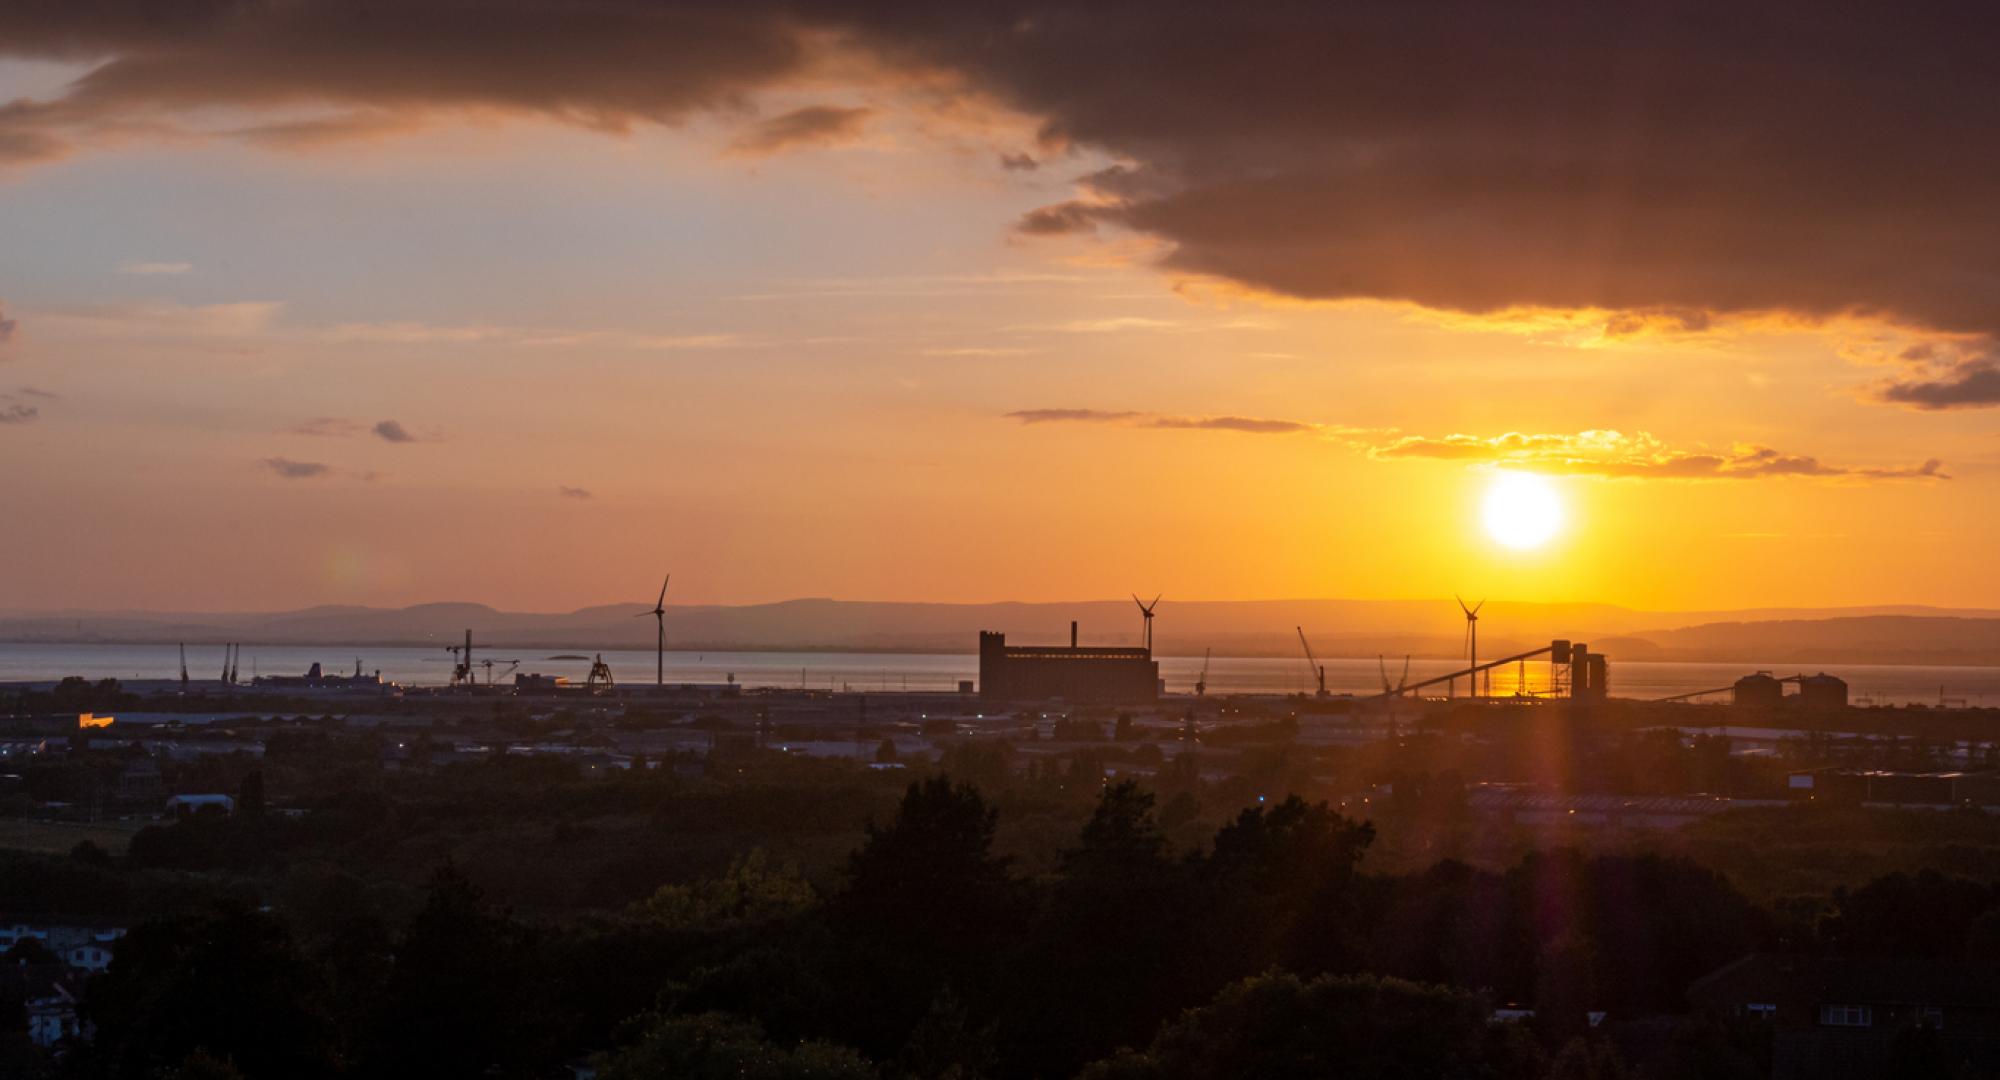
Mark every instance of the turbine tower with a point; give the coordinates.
(659, 614)
(1146, 610)
(1471, 642)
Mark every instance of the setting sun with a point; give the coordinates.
(1522, 510)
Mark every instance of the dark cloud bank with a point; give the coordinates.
(1808, 158)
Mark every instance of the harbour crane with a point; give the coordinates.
(461, 667)
(1201, 680)
(184, 668)
(1400, 683)
(1318, 669)
(599, 680)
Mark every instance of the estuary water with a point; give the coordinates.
(411, 666)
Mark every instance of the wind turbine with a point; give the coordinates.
(659, 614)
(1472, 641)
(1146, 610)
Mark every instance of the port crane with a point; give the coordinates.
(1400, 683)
(1318, 669)
(599, 679)
(184, 668)
(1201, 680)
(461, 662)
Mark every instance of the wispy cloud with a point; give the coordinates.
(262, 319)
(1062, 416)
(154, 268)
(1114, 324)
(981, 350)
(326, 426)
(7, 327)
(1248, 425)
(1639, 455)
(156, 320)
(391, 431)
(1945, 375)
(1610, 454)
(416, 333)
(13, 410)
(296, 470)
(814, 125)
(568, 492)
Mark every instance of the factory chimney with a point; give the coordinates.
(1072, 633)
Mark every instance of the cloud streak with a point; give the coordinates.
(1609, 454)
(391, 431)
(15, 411)
(814, 125)
(326, 427)
(1945, 376)
(288, 469)
(1242, 424)
(1638, 456)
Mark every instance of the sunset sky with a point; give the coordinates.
(529, 302)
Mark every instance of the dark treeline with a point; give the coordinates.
(931, 955)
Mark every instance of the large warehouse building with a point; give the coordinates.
(1041, 672)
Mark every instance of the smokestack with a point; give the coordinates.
(1072, 633)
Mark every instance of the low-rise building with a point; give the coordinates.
(1840, 1017)
(48, 996)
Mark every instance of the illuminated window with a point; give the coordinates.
(1846, 1015)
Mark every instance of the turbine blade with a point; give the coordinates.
(663, 591)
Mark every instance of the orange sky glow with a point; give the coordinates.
(879, 330)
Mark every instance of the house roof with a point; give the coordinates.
(1859, 980)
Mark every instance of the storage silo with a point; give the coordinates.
(1823, 691)
(1760, 690)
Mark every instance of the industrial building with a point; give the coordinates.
(1044, 672)
(1822, 691)
(1764, 690)
(1758, 690)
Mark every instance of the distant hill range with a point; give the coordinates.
(1337, 628)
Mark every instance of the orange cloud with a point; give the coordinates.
(814, 125)
(1614, 454)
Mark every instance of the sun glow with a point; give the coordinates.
(1522, 510)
